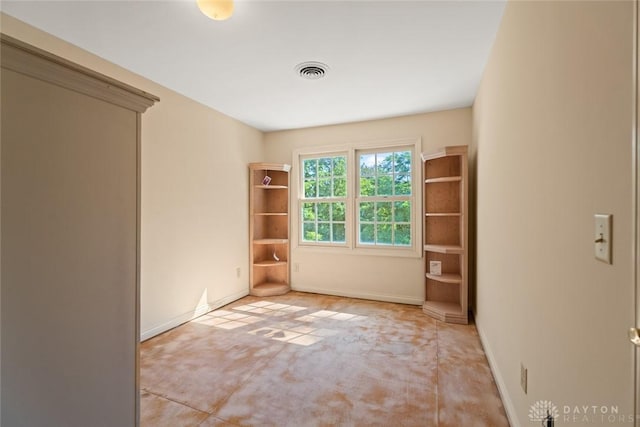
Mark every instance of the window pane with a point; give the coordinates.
(324, 213)
(402, 185)
(324, 188)
(367, 164)
(368, 186)
(324, 178)
(338, 213)
(383, 218)
(384, 162)
(402, 161)
(309, 231)
(385, 175)
(340, 166)
(402, 211)
(367, 211)
(310, 189)
(383, 211)
(385, 185)
(339, 187)
(324, 232)
(367, 233)
(384, 234)
(324, 167)
(339, 233)
(308, 211)
(309, 167)
(402, 234)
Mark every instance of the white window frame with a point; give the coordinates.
(302, 199)
(351, 246)
(383, 198)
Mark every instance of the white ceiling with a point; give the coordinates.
(386, 58)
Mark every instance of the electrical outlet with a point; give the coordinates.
(238, 272)
(296, 267)
(523, 378)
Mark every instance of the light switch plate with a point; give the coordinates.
(602, 239)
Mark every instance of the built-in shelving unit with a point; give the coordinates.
(446, 233)
(269, 229)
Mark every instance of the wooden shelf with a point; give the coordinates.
(269, 229)
(446, 278)
(272, 187)
(444, 249)
(449, 307)
(445, 208)
(269, 289)
(443, 214)
(452, 150)
(450, 312)
(270, 241)
(443, 179)
(269, 263)
(270, 166)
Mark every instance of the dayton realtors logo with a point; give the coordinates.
(601, 414)
(546, 412)
(543, 410)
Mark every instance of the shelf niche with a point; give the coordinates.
(446, 233)
(270, 200)
(269, 229)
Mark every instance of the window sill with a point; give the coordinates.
(360, 251)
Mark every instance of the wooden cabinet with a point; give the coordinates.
(446, 234)
(70, 174)
(269, 229)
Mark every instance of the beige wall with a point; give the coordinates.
(194, 210)
(552, 135)
(384, 278)
(194, 195)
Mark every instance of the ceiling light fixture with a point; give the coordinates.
(216, 9)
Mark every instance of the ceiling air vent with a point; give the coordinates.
(312, 70)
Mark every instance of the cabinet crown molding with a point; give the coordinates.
(24, 58)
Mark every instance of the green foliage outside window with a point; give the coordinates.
(385, 175)
(384, 206)
(324, 220)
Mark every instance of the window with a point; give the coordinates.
(359, 197)
(324, 199)
(384, 198)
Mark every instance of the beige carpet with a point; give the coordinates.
(314, 360)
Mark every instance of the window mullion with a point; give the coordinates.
(315, 220)
(353, 187)
(317, 192)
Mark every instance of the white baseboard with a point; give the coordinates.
(361, 295)
(502, 388)
(190, 315)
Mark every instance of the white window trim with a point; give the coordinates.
(351, 247)
(297, 176)
(359, 198)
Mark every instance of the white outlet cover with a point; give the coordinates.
(602, 237)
